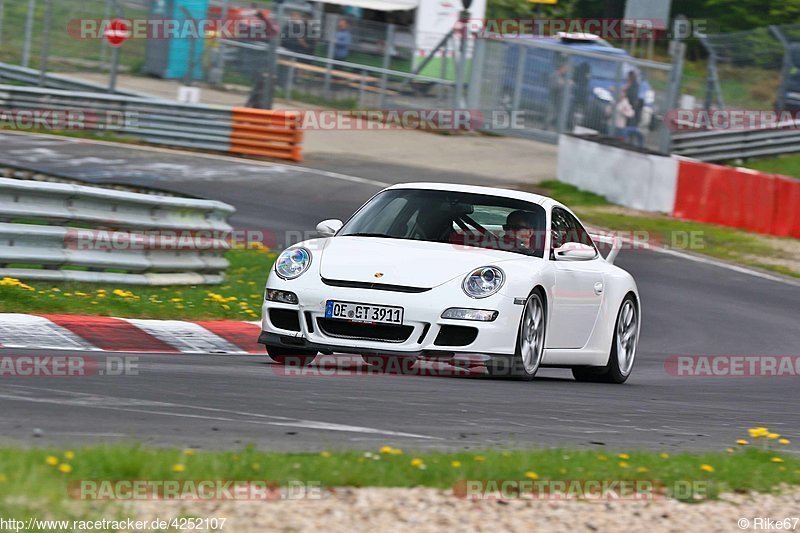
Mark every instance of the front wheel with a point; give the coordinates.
(296, 357)
(525, 362)
(623, 349)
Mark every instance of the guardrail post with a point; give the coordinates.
(387, 61)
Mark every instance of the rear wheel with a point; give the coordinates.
(296, 357)
(525, 362)
(623, 349)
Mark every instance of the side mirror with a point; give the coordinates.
(574, 251)
(328, 228)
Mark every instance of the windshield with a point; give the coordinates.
(459, 218)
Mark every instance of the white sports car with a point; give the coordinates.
(471, 276)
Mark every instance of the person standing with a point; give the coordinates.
(342, 41)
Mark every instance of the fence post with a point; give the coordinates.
(387, 62)
(48, 18)
(2, 9)
(361, 85)
(673, 93)
(331, 45)
(566, 99)
(290, 80)
(519, 79)
(26, 45)
(476, 76)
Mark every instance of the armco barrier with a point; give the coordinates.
(684, 188)
(165, 122)
(123, 237)
(265, 133)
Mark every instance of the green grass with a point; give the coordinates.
(239, 297)
(786, 165)
(30, 472)
(720, 242)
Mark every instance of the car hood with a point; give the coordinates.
(403, 262)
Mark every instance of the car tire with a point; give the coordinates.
(295, 357)
(623, 349)
(527, 357)
(385, 363)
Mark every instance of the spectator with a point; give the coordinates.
(342, 41)
(296, 35)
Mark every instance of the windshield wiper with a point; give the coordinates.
(366, 234)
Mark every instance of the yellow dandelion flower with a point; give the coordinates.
(69, 455)
(189, 451)
(784, 441)
(178, 468)
(742, 442)
(664, 455)
(729, 450)
(624, 456)
(456, 464)
(417, 462)
(3, 478)
(623, 464)
(642, 469)
(479, 459)
(386, 449)
(52, 460)
(64, 468)
(325, 454)
(772, 436)
(776, 460)
(758, 432)
(396, 451)
(706, 468)
(532, 475)
(602, 458)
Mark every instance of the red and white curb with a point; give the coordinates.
(99, 333)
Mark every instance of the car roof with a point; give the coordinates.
(544, 201)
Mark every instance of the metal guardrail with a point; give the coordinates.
(167, 122)
(62, 232)
(32, 77)
(719, 145)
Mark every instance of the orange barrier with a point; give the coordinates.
(266, 133)
(738, 198)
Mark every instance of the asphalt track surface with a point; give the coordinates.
(214, 401)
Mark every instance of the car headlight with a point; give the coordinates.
(483, 282)
(293, 262)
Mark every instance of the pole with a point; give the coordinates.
(387, 61)
(461, 66)
(48, 18)
(1, 22)
(112, 83)
(332, 26)
(268, 93)
(219, 66)
(26, 45)
(189, 74)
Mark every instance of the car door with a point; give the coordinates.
(579, 285)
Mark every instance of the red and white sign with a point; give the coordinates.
(118, 32)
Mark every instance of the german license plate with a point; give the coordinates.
(354, 312)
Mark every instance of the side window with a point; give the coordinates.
(566, 228)
(559, 228)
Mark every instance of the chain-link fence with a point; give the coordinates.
(549, 88)
(756, 69)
